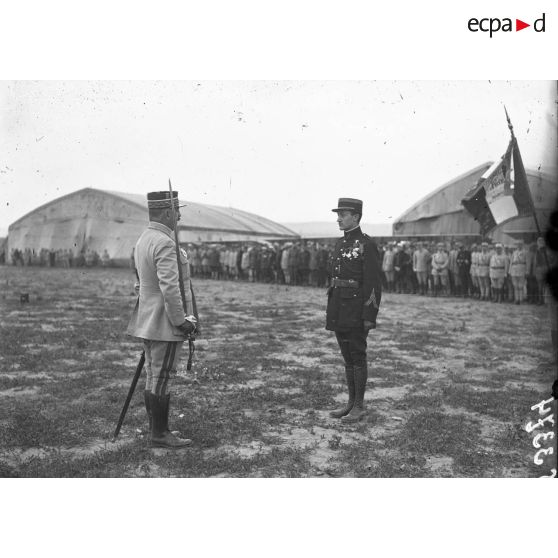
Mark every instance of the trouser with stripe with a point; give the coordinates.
(161, 359)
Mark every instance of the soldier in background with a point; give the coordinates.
(313, 265)
(323, 256)
(475, 254)
(463, 261)
(253, 261)
(285, 265)
(105, 258)
(303, 260)
(440, 261)
(412, 279)
(452, 269)
(507, 291)
(196, 261)
(483, 271)
(518, 272)
(498, 270)
(353, 302)
(541, 262)
(530, 282)
(420, 267)
(402, 265)
(388, 267)
(293, 264)
(236, 255)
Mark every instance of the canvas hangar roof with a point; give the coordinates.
(100, 219)
(441, 213)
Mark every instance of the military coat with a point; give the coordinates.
(356, 262)
(159, 308)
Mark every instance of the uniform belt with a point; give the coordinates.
(351, 283)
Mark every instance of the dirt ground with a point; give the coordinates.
(451, 383)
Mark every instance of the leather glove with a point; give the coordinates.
(369, 325)
(189, 326)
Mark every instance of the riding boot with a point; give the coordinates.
(160, 435)
(167, 405)
(358, 411)
(350, 375)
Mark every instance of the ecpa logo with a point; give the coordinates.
(492, 25)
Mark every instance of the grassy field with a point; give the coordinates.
(450, 387)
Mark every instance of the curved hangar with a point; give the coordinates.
(441, 213)
(100, 219)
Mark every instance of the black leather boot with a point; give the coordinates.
(350, 375)
(161, 437)
(358, 412)
(167, 408)
(147, 399)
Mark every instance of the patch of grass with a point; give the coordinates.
(417, 401)
(238, 398)
(507, 405)
(432, 433)
(371, 459)
(28, 427)
(138, 460)
(18, 383)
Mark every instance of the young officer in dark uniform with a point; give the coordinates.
(353, 301)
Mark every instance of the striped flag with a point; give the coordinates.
(502, 192)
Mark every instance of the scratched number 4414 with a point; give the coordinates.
(542, 437)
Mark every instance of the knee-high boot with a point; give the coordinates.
(147, 399)
(350, 375)
(160, 434)
(358, 411)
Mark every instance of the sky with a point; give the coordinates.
(285, 150)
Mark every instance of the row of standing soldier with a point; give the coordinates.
(60, 257)
(481, 271)
(303, 263)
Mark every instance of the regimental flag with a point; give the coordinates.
(502, 192)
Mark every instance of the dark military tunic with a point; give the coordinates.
(356, 283)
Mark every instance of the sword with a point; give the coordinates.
(130, 394)
(191, 346)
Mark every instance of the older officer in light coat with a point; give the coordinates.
(159, 318)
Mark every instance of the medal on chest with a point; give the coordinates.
(352, 253)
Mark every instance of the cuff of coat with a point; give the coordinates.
(369, 313)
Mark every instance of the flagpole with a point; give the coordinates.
(522, 170)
